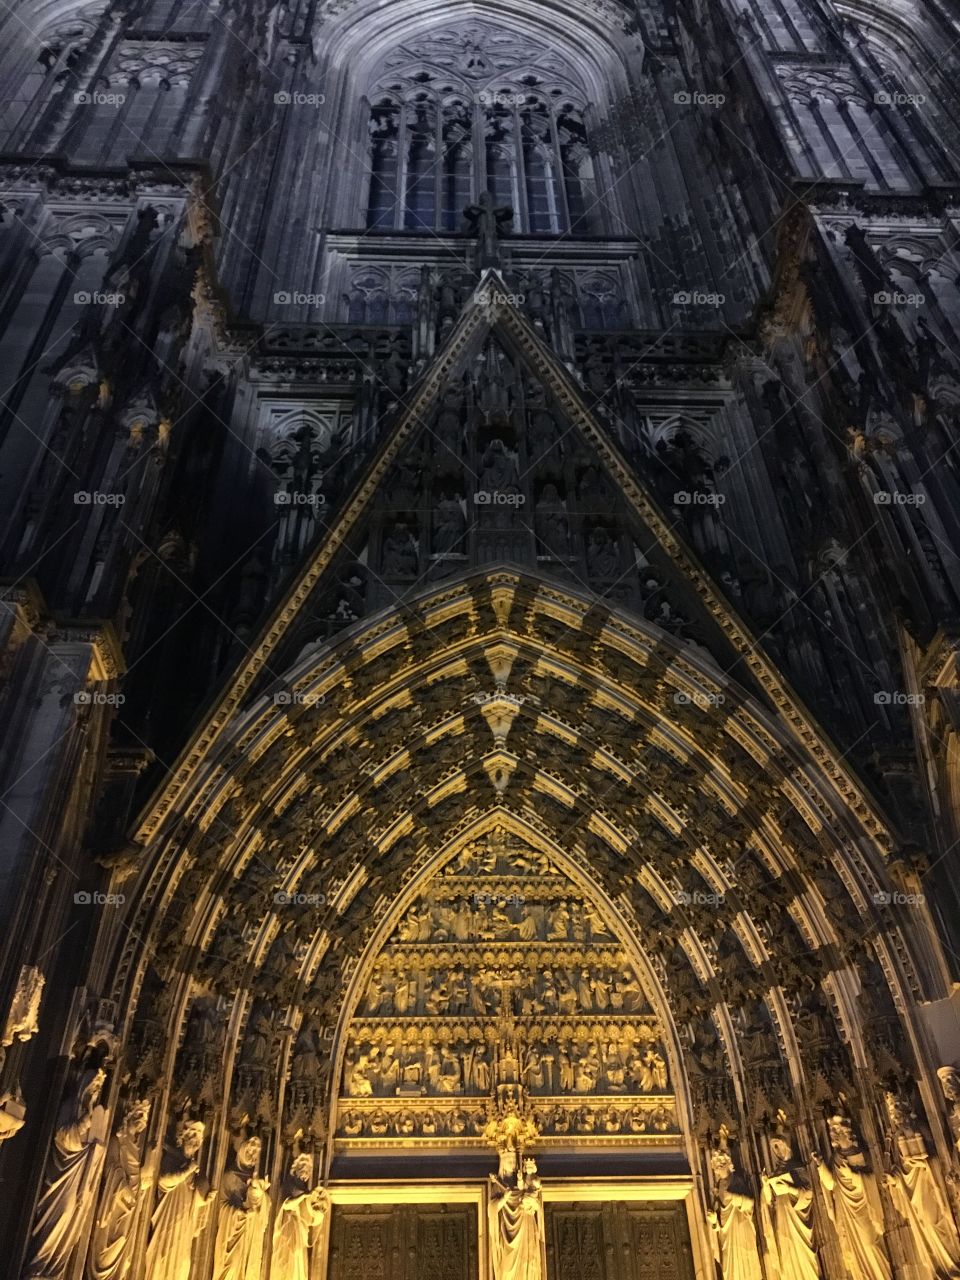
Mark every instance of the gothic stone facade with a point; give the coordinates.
(479, 529)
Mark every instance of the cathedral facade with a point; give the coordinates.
(480, 632)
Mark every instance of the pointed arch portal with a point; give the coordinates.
(506, 860)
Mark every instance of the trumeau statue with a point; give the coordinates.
(918, 1199)
(121, 1196)
(182, 1209)
(516, 1220)
(300, 1213)
(732, 1221)
(242, 1219)
(790, 1203)
(853, 1203)
(70, 1183)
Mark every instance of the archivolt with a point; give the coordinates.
(749, 890)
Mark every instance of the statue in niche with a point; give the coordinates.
(498, 469)
(603, 554)
(516, 1220)
(548, 995)
(558, 923)
(587, 1070)
(551, 522)
(242, 1220)
(400, 553)
(182, 1209)
(120, 1197)
(853, 1203)
(449, 525)
(305, 1062)
(732, 1222)
(790, 1203)
(917, 1198)
(653, 1072)
(627, 993)
(949, 1078)
(300, 1213)
(450, 1079)
(488, 223)
(70, 1178)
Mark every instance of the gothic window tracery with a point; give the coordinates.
(463, 112)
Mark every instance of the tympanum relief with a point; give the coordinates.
(502, 976)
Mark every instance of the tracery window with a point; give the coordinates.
(473, 109)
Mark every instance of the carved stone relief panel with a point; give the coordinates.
(503, 976)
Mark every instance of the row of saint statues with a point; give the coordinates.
(102, 1188)
(621, 1064)
(399, 990)
(382, 1123)
(852, 1196)
(485, 917)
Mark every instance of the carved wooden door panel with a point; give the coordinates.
(618, 1241)
(403, 1242)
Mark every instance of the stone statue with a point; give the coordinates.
(70, 1179)
(949, 1078)
(120, 1197)
(918, 1199)
(400, 552)
(182, 1209)
(23, 1019)
(853, 1204)
(300, 1212)
(487, 222)
(242, 1220)
(790, 1203)
(733, 1224)
(516, 1220)
(449, 525)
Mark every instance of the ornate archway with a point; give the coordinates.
(722, 930)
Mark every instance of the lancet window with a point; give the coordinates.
(441, 134)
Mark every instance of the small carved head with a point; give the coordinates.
(248, 1153)
(302, 1167)
(137, 1116)
(190, 1137)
